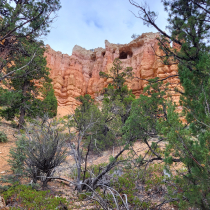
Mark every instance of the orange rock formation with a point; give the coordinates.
(78, 74)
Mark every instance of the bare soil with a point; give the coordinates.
(5, 147)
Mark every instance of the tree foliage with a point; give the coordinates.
(188, 25)
(22, 62)
(20, 20)
(113, 113)
(20, 99)
(117, 89)
(104, 131)
(118, 77)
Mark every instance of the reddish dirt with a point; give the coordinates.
(5, 147)
(64, 110)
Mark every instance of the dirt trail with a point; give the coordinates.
(5, 147)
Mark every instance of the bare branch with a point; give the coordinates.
(5, 76)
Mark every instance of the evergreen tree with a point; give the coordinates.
(117, 90)
(102, 134)
(49, 102)
(24, 85)
(22, 63)
(22, 19)
(86, 102)
(113, 112)
(189, 30)
(118, 75)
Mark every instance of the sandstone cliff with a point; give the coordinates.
(78, 74)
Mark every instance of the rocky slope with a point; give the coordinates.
(78, 74)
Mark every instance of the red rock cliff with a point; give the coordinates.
(78, 74)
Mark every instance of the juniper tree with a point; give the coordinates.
(102, 134)
(19, 20)
(22, 23)
(188, 25)
(114, 109)
(117, 89)
(113, 113)
(24, 86)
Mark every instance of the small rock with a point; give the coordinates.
(149, 191)
(3, 204)
(3, 172)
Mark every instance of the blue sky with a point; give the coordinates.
(89, 23)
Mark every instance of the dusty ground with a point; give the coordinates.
(64, 110)
(5, 147)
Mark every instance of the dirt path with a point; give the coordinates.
(5, 147)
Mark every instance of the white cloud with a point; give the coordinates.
(89, 23)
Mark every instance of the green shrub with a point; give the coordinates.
(153, 177)
(22, 197)
(14, 124)
(125, 184)
(3, 137)
(17, 156)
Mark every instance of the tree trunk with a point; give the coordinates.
(79, 187)
(22, 108)
(44, 184)
(46, 180)
(22, 115)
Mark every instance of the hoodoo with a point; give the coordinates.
(78, 74)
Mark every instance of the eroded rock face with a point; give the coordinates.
(78, 74)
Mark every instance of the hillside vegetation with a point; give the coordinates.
(169, 170)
